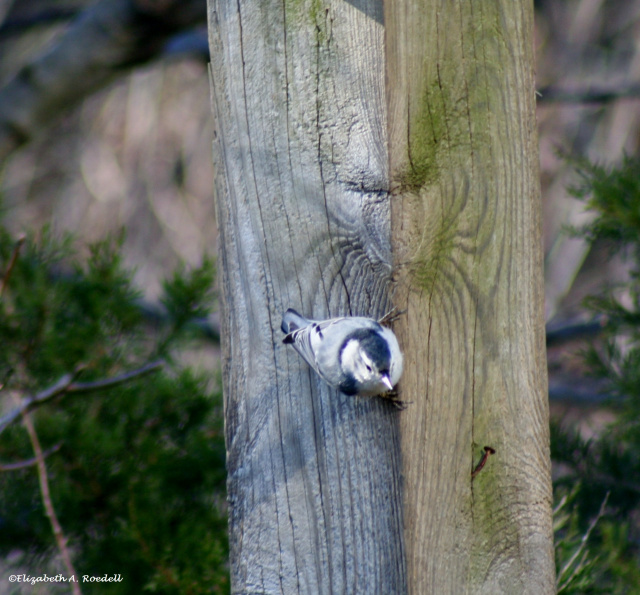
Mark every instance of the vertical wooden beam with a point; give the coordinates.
(466, 236)
(303, 212)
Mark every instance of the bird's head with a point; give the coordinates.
(366, 359)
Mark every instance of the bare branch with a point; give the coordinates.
(154, 312)
(579, 391)
(61, 540)
(83, 387)
(5, 7)
(59, 387)
(29, 462)
(16, 26)
(567, 332)
(66, 385)
(593, 95)
(12, 263)
(114, 35)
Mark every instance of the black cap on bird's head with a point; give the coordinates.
(354, 354)
(365, 360)
(374, 346)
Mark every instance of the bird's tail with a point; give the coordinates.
(292, 321)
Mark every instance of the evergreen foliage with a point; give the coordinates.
(136, 468)
(608, 468)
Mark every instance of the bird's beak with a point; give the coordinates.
(387, 382)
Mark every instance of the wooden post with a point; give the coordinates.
(466, 237)
(319, 144)
(303, 211)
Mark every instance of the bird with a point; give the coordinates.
(354, 354)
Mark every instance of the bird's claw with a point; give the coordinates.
(392, 396)
(391, 316)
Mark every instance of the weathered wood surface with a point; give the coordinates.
(303, 211)
(303, 153)
(467, 243)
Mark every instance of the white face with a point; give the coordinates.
(371, 381)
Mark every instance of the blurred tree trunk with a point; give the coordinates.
(303, 200)
(105, 40)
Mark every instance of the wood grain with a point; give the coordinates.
(303, 211)
(466, 237)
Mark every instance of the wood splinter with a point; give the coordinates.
(488, 450)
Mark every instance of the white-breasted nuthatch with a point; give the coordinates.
(356, 355)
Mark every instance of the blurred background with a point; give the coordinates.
(131, 148)
(136, 153)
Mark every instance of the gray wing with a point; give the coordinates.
(319, 343)
(310, 339)
(301, 341)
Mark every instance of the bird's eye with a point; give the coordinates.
(369, 368)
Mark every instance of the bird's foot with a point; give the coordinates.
(392, 315)
(392, 396)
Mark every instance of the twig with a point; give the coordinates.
(66, 385)
(593, 95)
(115, 35)
(12, 263)
(559, 506)
(83, 387)
(560, 334)
(580, 391)
(61, 540)
(583, 544)
(488, 450)
(48, 393)
(16, 26)
(209, 326)
(29, 462)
